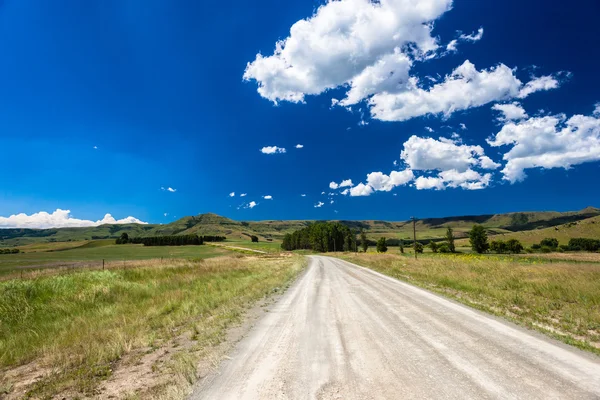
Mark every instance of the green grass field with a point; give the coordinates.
(558, 297)
(66, 335)
(96, 251)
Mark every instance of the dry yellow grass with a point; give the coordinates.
(559, 298)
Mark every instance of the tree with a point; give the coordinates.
(401, 244)
(123, 239)
(381, 245)
(514, 246)
(549, 242)
(450, 240)
(363, 241)
(434, 247)
(479, 240)
(498, 246)
(254, 239)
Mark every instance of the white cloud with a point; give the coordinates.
(232, 194)
(423, 183)
(168, 189)
(272, 150)
(474, 37)
(319, 204)
(243, 194)
(452, 46)
(468, 180)
(303, 195)
(331, 202)
(345, 192)
(427, 154)
(361, 190)
(548, 142)
(428, 129)
(59, 219)
(252, 204)
(95, 147)
(463, 127)
(299, 146)
(343, 184)
(166, 214)
(268, 197)
(510, 111)
(463, 89)
(538, 84)
(381, 182)
(348, 42)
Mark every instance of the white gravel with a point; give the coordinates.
(346, 332)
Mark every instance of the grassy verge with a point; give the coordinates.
(559, 298)
(75, 331)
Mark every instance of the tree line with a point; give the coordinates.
(10, 251)
(479, 243)
(322, 237)
(169, 240)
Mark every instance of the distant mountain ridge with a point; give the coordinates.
(213, 224)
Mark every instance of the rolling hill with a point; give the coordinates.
(213, 224)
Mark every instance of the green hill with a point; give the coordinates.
(213, 224)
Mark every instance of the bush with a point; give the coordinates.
(419, 247)
(445, 248)
(578, 244)
(434, 247)
(478, 238)
(254, 239)
(549, 242)
(514, 246)
(381, 245)
(535, 247)
(498, 246)
(10, 251)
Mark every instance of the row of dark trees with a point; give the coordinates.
(321, 237)
(479, 243)
(10, 251)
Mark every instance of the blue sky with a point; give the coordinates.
(106, 104)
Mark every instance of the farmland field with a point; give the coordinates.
(96, 251)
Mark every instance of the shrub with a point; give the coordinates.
(514, 246)
(381, 245)
(478, 238)
(445, 248)
(535, 247)
(254, 239)
(434, 247)
(498, 246)
(578, 244)
(419, 247)
(549, 242)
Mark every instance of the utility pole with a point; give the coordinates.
(414, 220)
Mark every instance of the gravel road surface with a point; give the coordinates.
(346, 332)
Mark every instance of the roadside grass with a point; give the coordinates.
(559, 298)
(110, 252)
(74, 329)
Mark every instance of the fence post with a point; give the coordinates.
(103, 264)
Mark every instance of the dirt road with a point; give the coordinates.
(345, 332)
